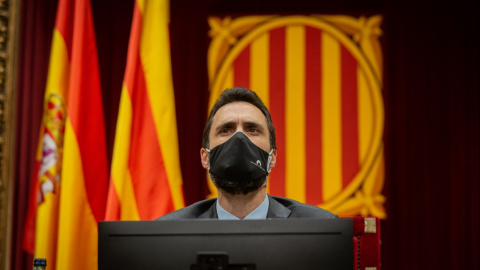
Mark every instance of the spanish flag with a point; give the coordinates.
(145, 176)
(72, 180)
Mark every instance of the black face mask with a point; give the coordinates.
(239, 160)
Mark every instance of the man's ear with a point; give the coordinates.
(204, 158)
(274, 158)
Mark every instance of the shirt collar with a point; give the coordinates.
(259, 213)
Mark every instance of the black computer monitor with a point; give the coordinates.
(221, 244)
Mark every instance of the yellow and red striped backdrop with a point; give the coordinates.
(320, 77)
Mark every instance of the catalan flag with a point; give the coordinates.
(145, 175)
(72, 179)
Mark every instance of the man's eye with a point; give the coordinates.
(225, 130)
(252, 130)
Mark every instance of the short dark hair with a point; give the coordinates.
(233, 95)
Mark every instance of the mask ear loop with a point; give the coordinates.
(269, 160)
(268, 166)
(208, 151)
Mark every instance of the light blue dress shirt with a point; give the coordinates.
(259, 213)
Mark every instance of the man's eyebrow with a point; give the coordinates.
(225, 125)
(253, 124)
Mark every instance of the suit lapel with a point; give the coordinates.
(211, 213)
(276, 209)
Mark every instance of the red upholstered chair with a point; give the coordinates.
(366, 243)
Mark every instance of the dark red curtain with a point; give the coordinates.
(431, 136)
(431, 107)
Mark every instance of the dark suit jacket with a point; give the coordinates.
(279, 208)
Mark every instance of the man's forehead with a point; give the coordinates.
(239, 109)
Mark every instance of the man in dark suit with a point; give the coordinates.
(239, 150)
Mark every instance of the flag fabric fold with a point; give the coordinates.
(70, 187)
(145, 175)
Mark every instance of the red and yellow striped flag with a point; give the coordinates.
(73, 170)
(145, 176)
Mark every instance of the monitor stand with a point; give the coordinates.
(218, 261)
